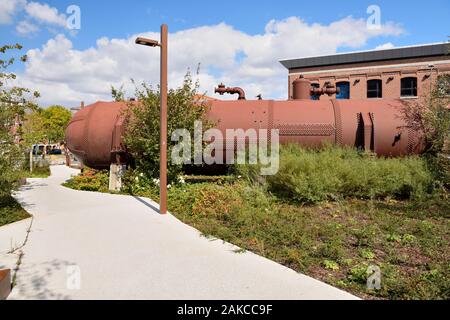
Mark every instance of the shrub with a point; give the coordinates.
(431, 115)
(10, 166)
(137, 183)
(14, 102)
(309, 176)
(143, 132)
(90, 180)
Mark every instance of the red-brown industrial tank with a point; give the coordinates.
(373, 125)
(94, 134)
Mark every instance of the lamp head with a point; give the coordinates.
(147, 42)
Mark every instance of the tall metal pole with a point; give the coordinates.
(163, 125)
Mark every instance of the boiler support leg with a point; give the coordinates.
(116, 172)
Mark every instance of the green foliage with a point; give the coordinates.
(367, 254)
(337, 249)
(135, 182)
(330, 173)
(10, 210)
(330, 265)
(142, 135)
(33, 128)
(118, 94)
(14, 103)
(55, 119)
(358, 273)
(430, 115)
(89, 180)
(46, 125)
(11, 160)
(38, 171)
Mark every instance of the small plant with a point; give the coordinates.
(392, 237)
(330, 265)
(408, 238)
(367, 254)
(358, 273)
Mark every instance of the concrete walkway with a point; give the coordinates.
(87, 245)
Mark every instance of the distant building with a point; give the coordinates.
(76, 109)
(405, 72)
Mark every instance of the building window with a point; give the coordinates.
(408, 87)
(344, 92)
(315, 96)
(374, 89)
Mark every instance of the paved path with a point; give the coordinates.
(87, 245)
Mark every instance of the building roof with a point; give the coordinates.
(427, 50)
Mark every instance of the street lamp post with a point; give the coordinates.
(163, 115)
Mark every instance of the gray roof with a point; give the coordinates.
(369, 56)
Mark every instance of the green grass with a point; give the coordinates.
(38, 172)
(11, 211)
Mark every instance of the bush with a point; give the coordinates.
(10, 166)
(137, 183)
(14, 102)
(90, 180)
(310, 176)
(143, 133)
(431, 116)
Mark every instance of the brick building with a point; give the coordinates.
(406, 72)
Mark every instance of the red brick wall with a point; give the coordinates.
(390, 77)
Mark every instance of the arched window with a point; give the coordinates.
(314, 96)
(344, 92)
(374, 89)
(408, 87)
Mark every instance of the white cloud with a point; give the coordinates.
(25, 28)
(65, 75)
(388, 45)
(42, 12)
(35, 12)
(8, 8)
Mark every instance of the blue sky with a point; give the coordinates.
(424, 21)
(419, 22)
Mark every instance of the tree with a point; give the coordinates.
(55, 119)
(33, 128)
(430, 115)
(45, 125)
(118, 94)
(142, 134)
(15, 102)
